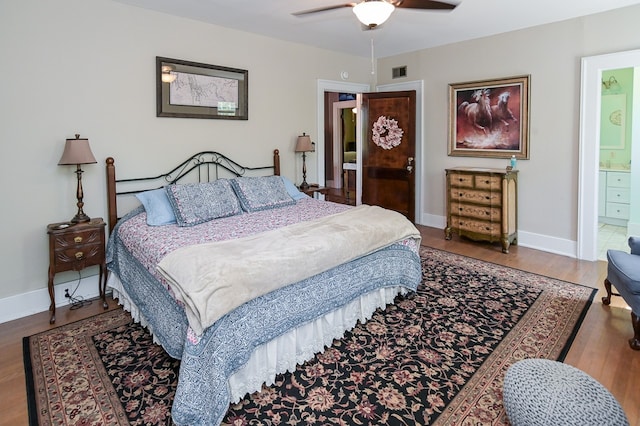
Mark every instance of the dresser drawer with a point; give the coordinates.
(476, 226)
(493, 183)
(476, 212)
(74, 239)
(487, 198)
(461, 180)
(618, 195)
(619, 179)
(618, 211)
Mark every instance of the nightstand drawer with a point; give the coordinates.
(74, 239)
(78, 258)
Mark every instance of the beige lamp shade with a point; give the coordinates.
(303, 144)
(77, 151)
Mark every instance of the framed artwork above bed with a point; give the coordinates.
(195, 90)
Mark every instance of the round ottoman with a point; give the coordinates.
(544, 392)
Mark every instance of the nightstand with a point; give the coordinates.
(313, 189)
(74, 247)
(335, 195)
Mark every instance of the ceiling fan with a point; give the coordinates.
(374, 12)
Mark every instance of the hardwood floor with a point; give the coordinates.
(600, 348)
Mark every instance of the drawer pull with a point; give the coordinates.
(77, 239)
(79, 255)
(487, 182)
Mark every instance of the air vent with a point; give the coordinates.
(399, 72)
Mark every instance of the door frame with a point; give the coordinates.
(330, 86)
(338, 149)
(589, 158)
(358, 88)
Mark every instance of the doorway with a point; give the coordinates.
(590, 111)
(345, 87)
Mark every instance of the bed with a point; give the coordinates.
(241, 276)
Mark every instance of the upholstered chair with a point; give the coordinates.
(623, 272)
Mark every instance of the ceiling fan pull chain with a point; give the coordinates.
(373, 67)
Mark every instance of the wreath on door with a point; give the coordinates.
(386, 133)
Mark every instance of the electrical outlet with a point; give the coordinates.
(66, 293)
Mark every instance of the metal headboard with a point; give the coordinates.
(204, 166)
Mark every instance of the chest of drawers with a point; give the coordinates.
(482, 204)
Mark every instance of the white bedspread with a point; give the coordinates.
(214, 278)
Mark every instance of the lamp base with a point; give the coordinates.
(304, 186)
(80, 218)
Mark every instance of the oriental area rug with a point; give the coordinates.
(435, 357)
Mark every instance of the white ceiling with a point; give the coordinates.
(405, 31)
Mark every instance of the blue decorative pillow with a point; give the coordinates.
(158, 208)
(195, 203)
(261, 193)
(293, 190)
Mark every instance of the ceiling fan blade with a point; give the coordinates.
(323, 9)
(423, 4)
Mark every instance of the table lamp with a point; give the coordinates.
(77, 151)
(304, 145)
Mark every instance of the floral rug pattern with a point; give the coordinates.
(435, 357)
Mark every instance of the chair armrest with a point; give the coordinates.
(634, 244)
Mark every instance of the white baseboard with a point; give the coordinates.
(433, 221)
(33, 302)
(548, 243)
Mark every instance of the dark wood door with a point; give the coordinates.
(389, 151)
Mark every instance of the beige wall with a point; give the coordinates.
(551, 54)
(88, 67)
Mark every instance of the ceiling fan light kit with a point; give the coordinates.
(373, 13)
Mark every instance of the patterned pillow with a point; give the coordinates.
(261, 193)
(195, 203)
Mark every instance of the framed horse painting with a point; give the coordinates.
(490, 118)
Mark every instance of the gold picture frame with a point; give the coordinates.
(490, 118)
